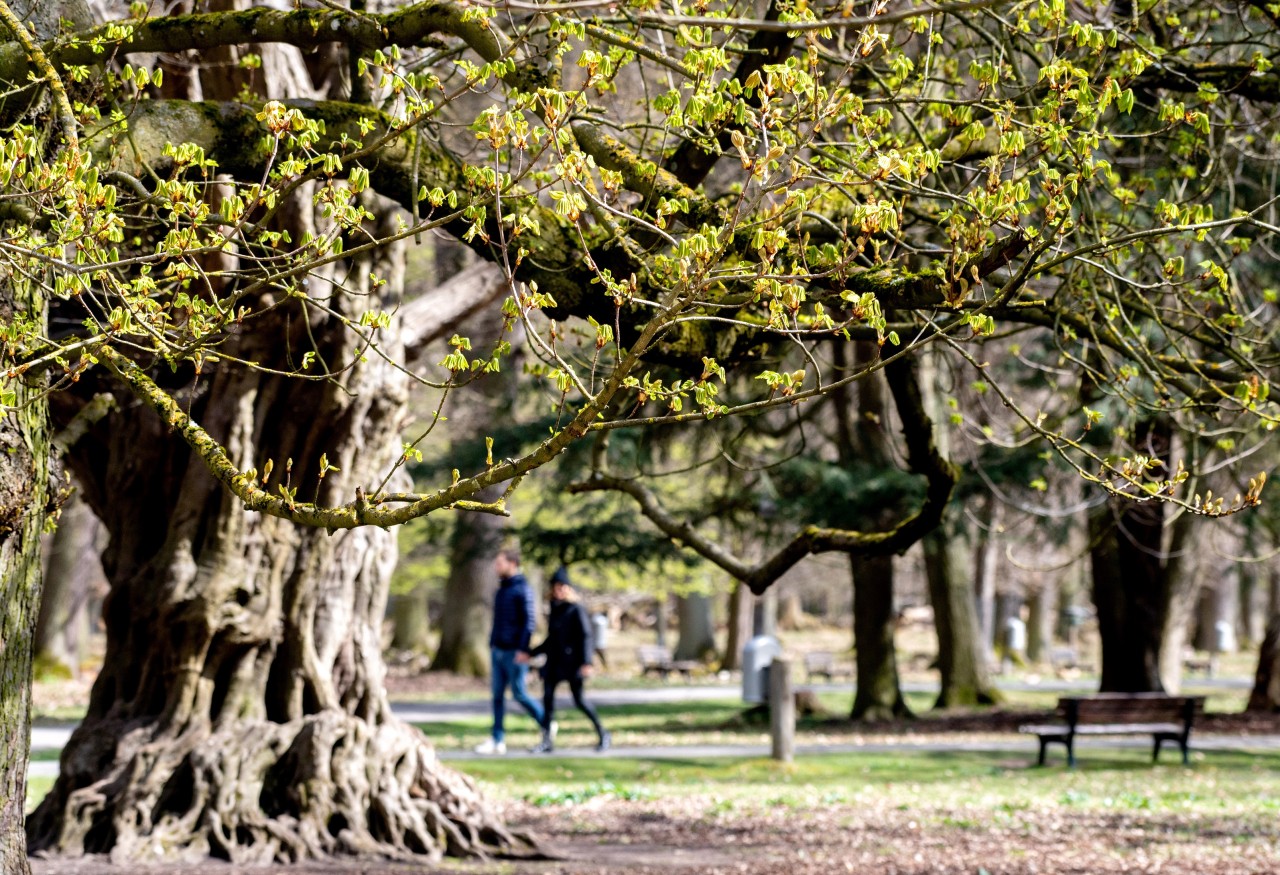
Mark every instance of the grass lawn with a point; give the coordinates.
(1239, 783)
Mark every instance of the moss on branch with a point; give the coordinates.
(304, 28)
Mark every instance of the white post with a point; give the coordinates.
(782, 711)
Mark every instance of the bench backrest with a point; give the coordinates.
(653, 654)
(1129, 708)
(819, 661)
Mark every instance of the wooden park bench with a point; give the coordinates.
(657, 659)
(1163, 717)
(821, 663)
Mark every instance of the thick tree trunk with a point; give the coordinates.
(1128, 591)
(62, 630)
(1266, 685)
(1265, 696)
(879, 694)
(1249, 620)
(791, 615)
(986, 558)
(661, 612)
(740, 600)
(25, 502)
(965, 681)
(468, 593)
(241, 712)
(697, 631)
(1181, 585)
(410, 619)
(1043, 603)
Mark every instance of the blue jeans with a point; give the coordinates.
(508, 672)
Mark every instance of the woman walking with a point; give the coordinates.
(569, 650)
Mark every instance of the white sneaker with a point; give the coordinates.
(490, 747)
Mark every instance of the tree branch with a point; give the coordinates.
(304, 28)
(923, 457)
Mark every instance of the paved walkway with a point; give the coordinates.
(46, 738)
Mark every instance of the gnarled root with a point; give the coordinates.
(259, 792)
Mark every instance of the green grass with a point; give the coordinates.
(37, 789)
(955, 786)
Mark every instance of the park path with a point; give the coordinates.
(48, 738)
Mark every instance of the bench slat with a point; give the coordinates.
(1161, 716)
(1128, 728)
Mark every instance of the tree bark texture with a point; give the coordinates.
(241, 712)
(964, 677)
(25, 502)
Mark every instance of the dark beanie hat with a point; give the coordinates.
(560, 575)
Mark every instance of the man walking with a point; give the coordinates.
(513, 622)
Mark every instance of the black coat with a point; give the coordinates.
(569, 644)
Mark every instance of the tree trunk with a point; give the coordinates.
(468, 593)
(24, 504)
(1273, 593)
(1128, 591)
(1206, 616)
(63, 626)
(241, 712)
(792, 616)
(660, 619)
(1249, 619)
(879, 695)
(739, 627)
(1043, 602)
(1181, 583)
(986, 552)
(410, 619)
(1265, 696)
(697, 631)
(965, 681)
(764, 613)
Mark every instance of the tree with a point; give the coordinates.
(903, 178)
(62, 627)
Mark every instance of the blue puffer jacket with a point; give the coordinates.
(513, 614)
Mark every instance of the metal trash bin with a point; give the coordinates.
(757, 656)
(1224, 637)
(1015, 636)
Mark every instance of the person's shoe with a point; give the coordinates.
(544, 746)
(491, 747)
(606, 742)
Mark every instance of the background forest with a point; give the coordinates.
(861, 305)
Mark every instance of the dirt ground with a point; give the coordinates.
(695, 835)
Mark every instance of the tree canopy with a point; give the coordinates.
(688, 211)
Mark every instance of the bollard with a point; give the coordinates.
(782, 711)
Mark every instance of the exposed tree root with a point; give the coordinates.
(260, 792)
